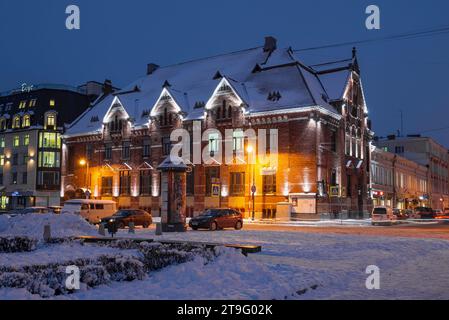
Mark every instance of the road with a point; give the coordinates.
(424, 231)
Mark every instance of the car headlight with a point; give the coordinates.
(111, 220)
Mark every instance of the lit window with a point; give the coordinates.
(32, 103)
(26, 140)
(2, 142)
(49, 159)
(52, 103)
(26, 121)
(3, 124)
(50, 121)
(16, 122)
(238, 140)
(2, 160)
(16, 141)
(22, 104)
(213, 142)
(49, 140)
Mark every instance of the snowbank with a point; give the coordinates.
(32, 225)
(230, 276)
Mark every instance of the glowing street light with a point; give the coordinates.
(84, 162)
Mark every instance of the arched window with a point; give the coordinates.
(348, 142)
(16, 122)
(354, 142)
(359, 144)
(2, 124)
(26, 121)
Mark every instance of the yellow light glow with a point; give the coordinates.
(250, 149)
(83, 162)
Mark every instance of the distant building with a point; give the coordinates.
(429, 153)
(32, 120)
(320, 113)
(397, 182)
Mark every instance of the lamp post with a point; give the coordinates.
(250, 150)
(84, 162)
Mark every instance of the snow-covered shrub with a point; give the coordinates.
(94, 275)
(157, 256)
(123, 268)
(14, 280)
(17, 244)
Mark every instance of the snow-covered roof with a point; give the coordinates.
(252, 74)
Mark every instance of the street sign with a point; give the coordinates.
(334, 191)
(253, 189)
(215, 190)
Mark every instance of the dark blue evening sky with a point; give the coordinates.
(118, 38)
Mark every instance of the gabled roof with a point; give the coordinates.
(254, 75)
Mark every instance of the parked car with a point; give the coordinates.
(122, 218)
(424, 213)
(400, 214)
(215, 219)
(383, 216)
(91, 210)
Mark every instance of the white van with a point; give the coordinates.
(91, 210)
(383, 216)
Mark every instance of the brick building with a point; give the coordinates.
(319, 112)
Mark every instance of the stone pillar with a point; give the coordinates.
(173, 194)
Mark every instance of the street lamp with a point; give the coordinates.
(250, 150)
(84, 162)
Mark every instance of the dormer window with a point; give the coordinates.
(22, 104)
(16, 122)
(224, 111)
(50, 121)
(2, 124)
(166, 118)
(26, 121)
(116, 125)
(52, 103)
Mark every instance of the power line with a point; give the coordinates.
(435, 130)
(404, 36)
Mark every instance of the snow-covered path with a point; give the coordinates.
(290, 262)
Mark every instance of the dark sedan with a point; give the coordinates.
(122, 218)
(424, 213)
(217, 219)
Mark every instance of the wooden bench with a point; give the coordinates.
(246, 249)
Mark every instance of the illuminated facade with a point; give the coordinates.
(317, 112)
(398, 182)
(429, 153)
(31, 124)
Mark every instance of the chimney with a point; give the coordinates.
(270, 44)
(107, 87)
(151, 68)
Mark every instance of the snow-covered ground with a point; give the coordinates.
(328, 266)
